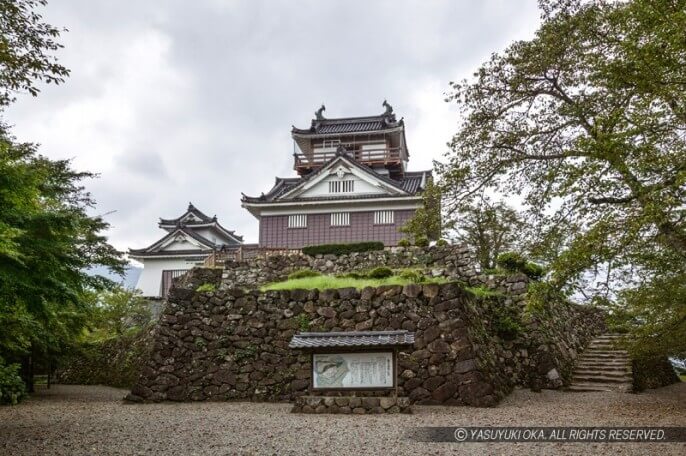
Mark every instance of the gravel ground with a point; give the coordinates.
(92, 420)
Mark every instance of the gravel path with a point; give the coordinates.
(91, 420)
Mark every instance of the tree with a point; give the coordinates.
(117, 312)
(586, 121)
(26, 44)
(426, 222)
(47, 238)
(490, 228)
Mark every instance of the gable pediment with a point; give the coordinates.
(178, 240)
(365, 182)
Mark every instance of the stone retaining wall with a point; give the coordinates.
(455, 262)
(233, 344)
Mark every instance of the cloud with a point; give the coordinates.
(173, 101)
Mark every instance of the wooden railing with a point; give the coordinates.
(369, 156)
(244, 252)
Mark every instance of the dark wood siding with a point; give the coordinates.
(274, 231)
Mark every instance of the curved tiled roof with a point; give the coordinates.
(352, 339)
(350, 125)
(411, 183)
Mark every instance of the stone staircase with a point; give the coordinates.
(602, 367)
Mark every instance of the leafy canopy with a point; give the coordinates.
(586, 122)
(47, 238)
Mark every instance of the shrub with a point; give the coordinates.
(441, 243)
(421, 241)
(12, 388)
(533, 270)
(381, 272)
(507, 327)
(512, 261)
(302, 273)
(342, 249)
(351, 275)
(412, 275)
(206, 288)
(403, 243)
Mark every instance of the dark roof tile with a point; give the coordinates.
(352, 339)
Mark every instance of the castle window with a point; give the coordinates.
(340, 219)
(344, 186)
(383, 218)
(297, 221)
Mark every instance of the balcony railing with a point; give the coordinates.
(382, 156)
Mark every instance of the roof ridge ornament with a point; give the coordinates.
(318, 113)
(389, 109)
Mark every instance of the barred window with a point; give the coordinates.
(383, 218)
(340, 219)
(297, 221)
(346, 186)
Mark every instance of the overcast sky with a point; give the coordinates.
(178, 101)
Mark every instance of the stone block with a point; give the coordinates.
(387, 402)
(369, 402)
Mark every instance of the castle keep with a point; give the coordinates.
(352, 185)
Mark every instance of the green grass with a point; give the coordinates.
(483, 292)
(683, 377)
(326, 282)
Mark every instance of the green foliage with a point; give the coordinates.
(116, 312)
(533, 271)
(514, 262)
(326, 282)
(585, 122)
(511, 261)
(303, 273)
(442, 243)
(488, 227)
(421, 241)
(404, 242)
(303, 322)
(381, 272)
(244, 354)
(342, 249)
(412, 276)
(12, 388)
(206, 288)
(483, 292)
(506, 324)
(27, 47)
(426, 221)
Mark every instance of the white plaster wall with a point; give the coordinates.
(151, 277)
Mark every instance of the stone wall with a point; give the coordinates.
(453, 262)
(233, 344)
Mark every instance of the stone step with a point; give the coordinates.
(605, 351)
(604, 355)
(603, 362)
(603, 367)
(592, 378)
(601, 372)
(609, 345)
